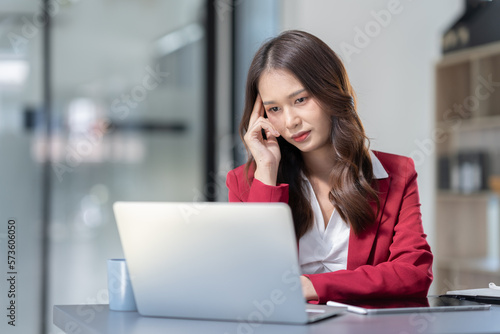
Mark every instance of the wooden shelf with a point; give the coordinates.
(467, 251)
(444, 195)
(472, 124)
(471, 54)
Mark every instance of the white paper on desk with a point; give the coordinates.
(492, 291)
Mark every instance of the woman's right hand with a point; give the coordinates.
(266, 152)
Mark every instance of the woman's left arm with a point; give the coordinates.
(406, 273)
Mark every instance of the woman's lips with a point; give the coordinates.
(301, 136)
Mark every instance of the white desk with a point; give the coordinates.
(84, 319)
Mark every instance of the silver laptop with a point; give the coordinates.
(219, 261)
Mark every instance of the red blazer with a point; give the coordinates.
(390, 259)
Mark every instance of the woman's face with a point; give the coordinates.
(292, 110)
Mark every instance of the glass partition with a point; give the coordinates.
(21, 100)
(128, 115)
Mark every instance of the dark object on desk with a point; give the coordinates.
(477, 298)
(490, 295)
(430, 304)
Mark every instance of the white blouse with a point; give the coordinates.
(321, 249)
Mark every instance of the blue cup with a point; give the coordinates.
(121, 295)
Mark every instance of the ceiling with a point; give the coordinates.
(95, 42)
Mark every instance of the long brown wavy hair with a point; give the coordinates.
(323, 75)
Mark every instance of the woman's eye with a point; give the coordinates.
(300, 100)
(273, 109)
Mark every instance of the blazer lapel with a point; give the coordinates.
(360, 246)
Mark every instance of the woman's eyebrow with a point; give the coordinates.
(296, 93)
(289, 96)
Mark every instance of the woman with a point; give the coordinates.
(356, 212)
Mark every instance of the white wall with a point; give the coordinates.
(392, 70)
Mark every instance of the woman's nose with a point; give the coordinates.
(291, 118)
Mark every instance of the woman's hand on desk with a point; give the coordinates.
(308, 289)
(266, 152)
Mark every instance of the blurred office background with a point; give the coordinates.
(112, 100)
